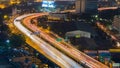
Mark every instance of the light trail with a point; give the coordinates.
(63, 46)
(53, 54)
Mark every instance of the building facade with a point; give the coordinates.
(80, 6)
(83, 6)
(78, 33)
(91, 5)
(107, 3)
(116, 23)
(64, 0)
(118, 3)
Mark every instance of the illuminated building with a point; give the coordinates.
(64, 0)
(116, 22)
(86, 5)
(49, 4)
(38, 0)
(80, 6)
(3, 3)
(118, 2)
(14, 2)
(78, 34)
(2, 6)
(55, 0)
(107, 3)
(91, 5)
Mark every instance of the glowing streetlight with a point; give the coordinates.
(2, 6)
(118, 44)
(8, 43)
(5, 16)
(18, 2)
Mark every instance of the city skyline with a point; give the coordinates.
(59, 34)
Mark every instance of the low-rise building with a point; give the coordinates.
(59, 15)
(78, 33)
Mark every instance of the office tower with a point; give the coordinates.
(107, 3)
(83, 6)
(118, 3)
(80, 6)
(91, 6)
(116, 22)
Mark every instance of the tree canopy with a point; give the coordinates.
(17, 40)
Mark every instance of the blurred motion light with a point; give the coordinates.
(2, 6)
(18, 2)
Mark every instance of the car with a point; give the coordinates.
(17, 20)
(37, 32)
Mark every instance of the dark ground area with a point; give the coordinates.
(98, 42)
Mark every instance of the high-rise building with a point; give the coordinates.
(107, 3)
(116, 23)
(38, 0)
(80, 6)
(86, 5)
(64, 0)
(91, 5)
(118, 2)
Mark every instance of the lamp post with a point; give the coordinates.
(8, 43)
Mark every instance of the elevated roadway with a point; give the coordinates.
(53, 54)
(63, 46)
(107, 8)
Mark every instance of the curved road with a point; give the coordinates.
(50, 52)
(63, 46)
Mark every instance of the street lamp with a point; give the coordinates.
(118, 44)
(5, 16)
(8, 43)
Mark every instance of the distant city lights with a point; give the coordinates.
(48, 4)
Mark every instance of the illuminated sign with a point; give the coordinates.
(48, 4)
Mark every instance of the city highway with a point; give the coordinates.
(52, 53)
(107, 8)
(63, 46)
(108, 32)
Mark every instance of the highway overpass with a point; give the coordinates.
(63, 46)
(47, 50)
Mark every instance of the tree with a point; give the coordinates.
(1, 19)
(17, 40)
(3, 38)
(4, 27)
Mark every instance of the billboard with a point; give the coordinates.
(48, 4)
